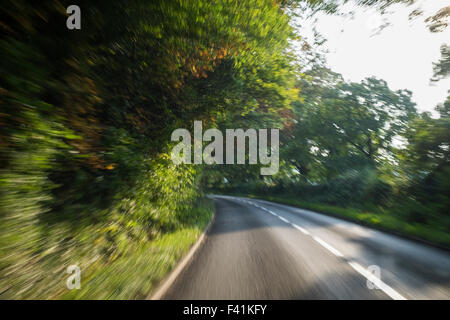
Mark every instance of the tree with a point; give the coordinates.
(425, 162)
(347, 125)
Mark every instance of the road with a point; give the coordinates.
(257, 249)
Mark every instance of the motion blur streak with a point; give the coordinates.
(250, 254)
(92, 207)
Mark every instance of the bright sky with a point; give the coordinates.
(402, 53)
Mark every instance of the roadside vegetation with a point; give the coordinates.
(86, 117)
(135, 271)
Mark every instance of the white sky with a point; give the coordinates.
(402, 53)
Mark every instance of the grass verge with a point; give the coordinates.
(137, 273)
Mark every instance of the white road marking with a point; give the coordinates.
(300, 228)
(328, 247)
(376, 281)
(356, 266)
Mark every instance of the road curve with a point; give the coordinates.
(262, 250)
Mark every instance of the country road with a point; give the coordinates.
(262, 250)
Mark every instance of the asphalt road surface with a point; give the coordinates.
(262, 250)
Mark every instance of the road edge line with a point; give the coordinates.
(166, 283)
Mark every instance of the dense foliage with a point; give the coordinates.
(86, 117)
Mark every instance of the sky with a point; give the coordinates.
(402, 53)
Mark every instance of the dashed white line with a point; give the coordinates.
(328, 247)
(377, 281)
(300, 228)
(356, 266)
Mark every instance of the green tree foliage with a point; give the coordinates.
(441, 69)
(362, 145)
(86, 117)
(343, 125)
(426, 164)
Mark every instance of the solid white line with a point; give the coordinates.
(328, 247)
(300, 228)
(376, 281)
(283, 219)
